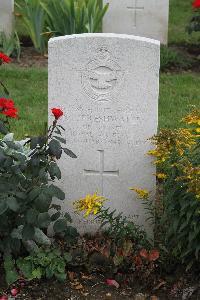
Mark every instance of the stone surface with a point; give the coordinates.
(6, 16)
(147, 18)
(107, 85)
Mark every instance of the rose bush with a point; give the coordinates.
(28, 169)
(194, 24)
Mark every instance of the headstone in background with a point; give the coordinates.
(107, 85)
(147, 18)
(6, 16)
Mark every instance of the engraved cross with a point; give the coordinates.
(135, 7)
(102, 172)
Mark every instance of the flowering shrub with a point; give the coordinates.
(177, 156)
(194, 24)
(28, 169)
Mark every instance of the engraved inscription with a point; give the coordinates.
(101, 172)
(102, 77)
(105, 126)
(135, 8)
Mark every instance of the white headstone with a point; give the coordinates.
(6, 16)
(147, 18)
(107, 85)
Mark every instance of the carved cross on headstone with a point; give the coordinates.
(102, 171)
(135, 7)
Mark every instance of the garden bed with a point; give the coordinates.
(93, 286)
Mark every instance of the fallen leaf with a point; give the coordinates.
(79, 287)
(159, 285)
(112, 282)
(87, 277)
(154, 298)
(144, 253)
(71, 276)
(154, 255)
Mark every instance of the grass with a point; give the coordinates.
(179, 16)
(28, 88)
(178, 93)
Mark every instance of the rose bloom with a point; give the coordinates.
(4, 58)
(57, 112)
(7, 108)
(196, 4)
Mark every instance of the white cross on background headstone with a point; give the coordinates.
(135, 8)
(102, 171)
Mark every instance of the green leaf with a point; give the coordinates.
(57, 192)
(28, 232)
(31, 216)
(13, 204)
(44, 220)
(60, 276)
(60, 225)
(3, 128)
(67, 257)
(69, 153)
(55, 148)
(3, 206)
(68, 217)
(60, 139)
(55, 216)
(11, 273)
(54, 170)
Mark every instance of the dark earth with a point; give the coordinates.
(79, 285)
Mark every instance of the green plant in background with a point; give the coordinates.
(43, 19)
(170, 58)
(33, 18)
(73, 16)
(194, 24)
(177, 156)
(10, 45)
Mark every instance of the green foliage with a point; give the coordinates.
(10, 45)
(9, 267)
(178, 156)
(170, 58)
(120, 229)
(194, 24)
(69, 17)
(25, 193)
(45, 263)
(43, 19)
(33, 18)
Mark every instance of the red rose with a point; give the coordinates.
(11, 112)
(7, 108)
(196, 4)
(4, 58)
(57, 112)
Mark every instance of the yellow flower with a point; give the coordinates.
(143, 194)
(161, 175)
(193, 117)
(198, 130)
(91, 204)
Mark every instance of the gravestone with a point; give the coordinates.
(148, 18)
(107, 85)
(6, 16)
